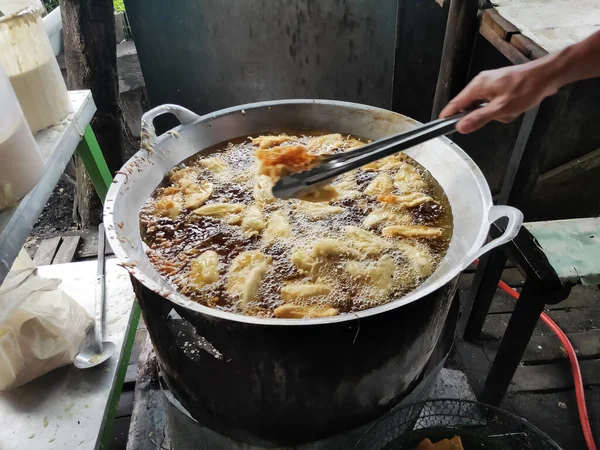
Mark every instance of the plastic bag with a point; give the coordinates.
(41, 327)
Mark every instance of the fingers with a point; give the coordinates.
(466, 98)
(479, 118)
(506, 119)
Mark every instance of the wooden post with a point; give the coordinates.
(461, 28)
(91, 61)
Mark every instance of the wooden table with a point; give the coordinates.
(550, 24)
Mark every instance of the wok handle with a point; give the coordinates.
(148, 132)
(515, 220)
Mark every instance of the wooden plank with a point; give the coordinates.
(88, 247)
(125, 404)
(476, 363)
(526, 46)
(140, 338)
(67, 249)
(553, 376)
(559, 191)
(572, 247)
(580, 297)
(510, 52)
(502, 302)
(553, 24)
(121, 432)
(46, 251)
(141, 335)
(548, 348)
(510, 276)
(499, 24)
(556, 414)
(567, 171)
(130, 375)
(570, 320)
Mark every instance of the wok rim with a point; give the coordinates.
(181, 300)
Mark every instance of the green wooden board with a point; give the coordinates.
(572, 247)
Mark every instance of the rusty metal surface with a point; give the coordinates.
(160, 421)
(211, 55)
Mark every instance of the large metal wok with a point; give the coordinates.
(285, 381)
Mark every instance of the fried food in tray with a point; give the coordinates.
(217, 234)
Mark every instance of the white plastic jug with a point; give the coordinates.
(21, 164)
(27, 57)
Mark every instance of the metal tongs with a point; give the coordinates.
(333, 166)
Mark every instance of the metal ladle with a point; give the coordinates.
(98, 351)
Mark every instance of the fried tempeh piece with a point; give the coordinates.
(334, 247)
(381, 215)
(365, 241)
(382, 184)
(408, 201)
(245, 274)
(277, 162)
(253, 222)
(272, 141)
(204, 269)
(317, 211)
(278, 226)
(295, 291)
(291, 311)
(412, 231)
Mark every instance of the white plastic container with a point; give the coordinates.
(54, 27)
(21, 164)
(27, 57)
(9, 7)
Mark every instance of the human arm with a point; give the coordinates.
(513, 90)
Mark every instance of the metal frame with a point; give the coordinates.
(94, 162)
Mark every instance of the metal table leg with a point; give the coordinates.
(516, 337)
(482, 292)
(95, 164)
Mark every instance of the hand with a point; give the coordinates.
(509, 92)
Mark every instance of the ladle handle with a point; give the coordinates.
(99, 313)
(148, 132)
(515, 220)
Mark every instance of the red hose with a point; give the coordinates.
(576, 370)
(579, 392)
